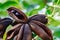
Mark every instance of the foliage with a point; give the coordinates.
(32, 7)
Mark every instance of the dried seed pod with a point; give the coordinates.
(14, 23)
(20, 35)
(15, 38)
(40, 17)
(35, 23)
(45, 28)
(27, 34)
(13, 32)
(17, 14)
(39, 31)
(4, 23)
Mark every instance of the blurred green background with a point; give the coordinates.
(31, 7)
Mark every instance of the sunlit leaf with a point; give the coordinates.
(57, 2)
(53, 22)
(7, 4)
(32, 12)
(49, 10)
(42, 3)
(4, 37)
(3, 14)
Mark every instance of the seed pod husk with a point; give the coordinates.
(39, 31)
(27, 34)
(17, 14)
(39, 17)
(45, 28)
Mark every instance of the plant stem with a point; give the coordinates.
(54, 9)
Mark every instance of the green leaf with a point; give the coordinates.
(52, 21)
(57, 33)
(4, 36)
(7, 4)
(0, 4)
(57, 2)
(25, 4)
(14, 0)
(49, 10)
(32, 12)
(41, 3)
(3, 14)
(49, 0)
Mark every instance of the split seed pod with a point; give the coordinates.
(4, 23)
(23, 26)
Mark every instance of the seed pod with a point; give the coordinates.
(40, 17)
(15, 38)
(14, 23)
(20, 35)
(13, 32)
(17, 14)
(39, 31)
(45, 28)
(4, 23)
(27, 34)
(35, 23)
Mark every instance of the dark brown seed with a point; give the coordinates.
(27, 34)
(39, 31)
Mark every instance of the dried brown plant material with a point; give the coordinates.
(23, 26)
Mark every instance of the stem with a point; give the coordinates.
(54, 9)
